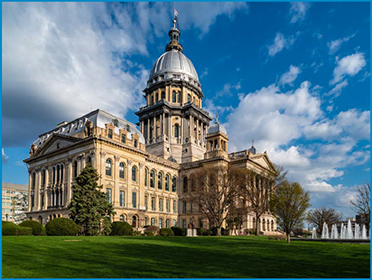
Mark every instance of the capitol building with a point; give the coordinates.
(147, 169)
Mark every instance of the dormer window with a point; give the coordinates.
(135, 143)
(115, 122)
(110, 133)
(188, 98)
(128, 128)
(123, 138)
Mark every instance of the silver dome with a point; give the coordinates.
(173, 61)
(217, 127)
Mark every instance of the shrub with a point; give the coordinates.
(10, 228)
(121, 228)
(179, 231)
(223, 231)
(25, 231)
(149, 233)
(136, 233)
(166, 232)
(153, 229)
(203, 232)
(37, 228)
(61, 227)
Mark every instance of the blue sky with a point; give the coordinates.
(295, 77)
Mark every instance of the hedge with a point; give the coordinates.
(61, 227)
(37, 228)
(25, 231)
(203, 232)
(121, 228)
(166, 232)
(153, 229)
(9, 228)
(149, 233)
(179, 231)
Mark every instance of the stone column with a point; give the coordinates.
(191, 127)
(161, 124)
(37, 190)
(29, 190)
(83, 161)
(155, 135)
(169, 127)
(103, 170)
(148, 130)
(129, 183)
(197, 130)
(116, 191)
(46, 199)
(163, 132)
(69, 179)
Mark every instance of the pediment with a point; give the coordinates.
(264, 161)
(54, 143)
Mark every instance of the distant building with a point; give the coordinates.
(15, 202)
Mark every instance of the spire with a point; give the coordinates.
(253, 149)
(174, 34)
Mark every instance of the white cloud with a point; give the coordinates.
(4, 157)
(290, 76)
(337, 89)
(227, 89)
(280, 42)
(214, 109)
(348, 65)
(298, 11)
(205, 73)
(335, 45)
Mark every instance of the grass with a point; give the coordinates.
(174, 257)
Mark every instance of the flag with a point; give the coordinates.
(175, 13)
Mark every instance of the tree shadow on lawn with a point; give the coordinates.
(177, 257)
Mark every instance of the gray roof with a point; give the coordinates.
(217, 127)
(174, 61)
(99, 118)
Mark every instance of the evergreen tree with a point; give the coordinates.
(89, 206)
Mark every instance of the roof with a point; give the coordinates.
(99, 118)
(17, 187)
(217, 127)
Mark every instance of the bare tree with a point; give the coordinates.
(289, 204)
(257, 191)
(323, 215)
(361, 204)
(215, 193)
(281, 175)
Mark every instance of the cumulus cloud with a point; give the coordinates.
(290, 76)
(5, 157)
(348, 66)
(214, 109)
(335, 45)
(298, 11)
(280, 43)
(62, 60)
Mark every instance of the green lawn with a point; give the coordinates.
(126, 257)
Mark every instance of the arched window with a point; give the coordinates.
(176, 130)
(89, 160)
(146, 174)
(121, 170)
(152, 179)
(167, 182)
(178, 97)
(108, 167)
(134, 221)
(174, 97)
(110, 133)
(75, 170)
(134, 199)
(123, 138)
(128, 127)
(184, 184)
(160, 181)
(122, 219)
(163, 95)
(134, 173)
(109, 195)
(188, 98)
(135, 143)
(174, 184)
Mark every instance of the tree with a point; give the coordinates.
(89, 206)
(257, 191)
(323, 215)
(216, 192)
(281, 175)
(361, 204)
(289, 205)
(19, 207)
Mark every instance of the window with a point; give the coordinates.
(174, 206)
(109, 195)
(184, 223)
(146, 174)
(174, 223)
(160, 181)
(123, 138)
(57, 173)
(121, 170)
(174, 96)
(43, 177)
(184, 184)
(184, 207)
(160, 222)
(167, 182)
(75, 170)
(174, 184)
(178, 97)
(191, 210)
(110, 133)
(188, 98)
(108, 167)
(135, 143)
(152, 221)
(134, 173)
(152, 99)
(153, 203)
(54, 175)
(167, 206)
(156, 98)
(192, 183)
(128, 128)
(176, 130)
(122, 198)
(167, 223)
(122, 219)
(134, 199)
(161, 205)
(146, 221)
(42, 200)
(163, 95)
(152, 179)
(146, 203)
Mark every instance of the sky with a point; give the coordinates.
(293, 77)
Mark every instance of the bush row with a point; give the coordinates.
(9, 228)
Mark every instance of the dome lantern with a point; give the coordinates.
(174, 35)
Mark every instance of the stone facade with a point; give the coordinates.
(145, 172)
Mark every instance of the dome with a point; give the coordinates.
(217, 127)
(173, 62)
